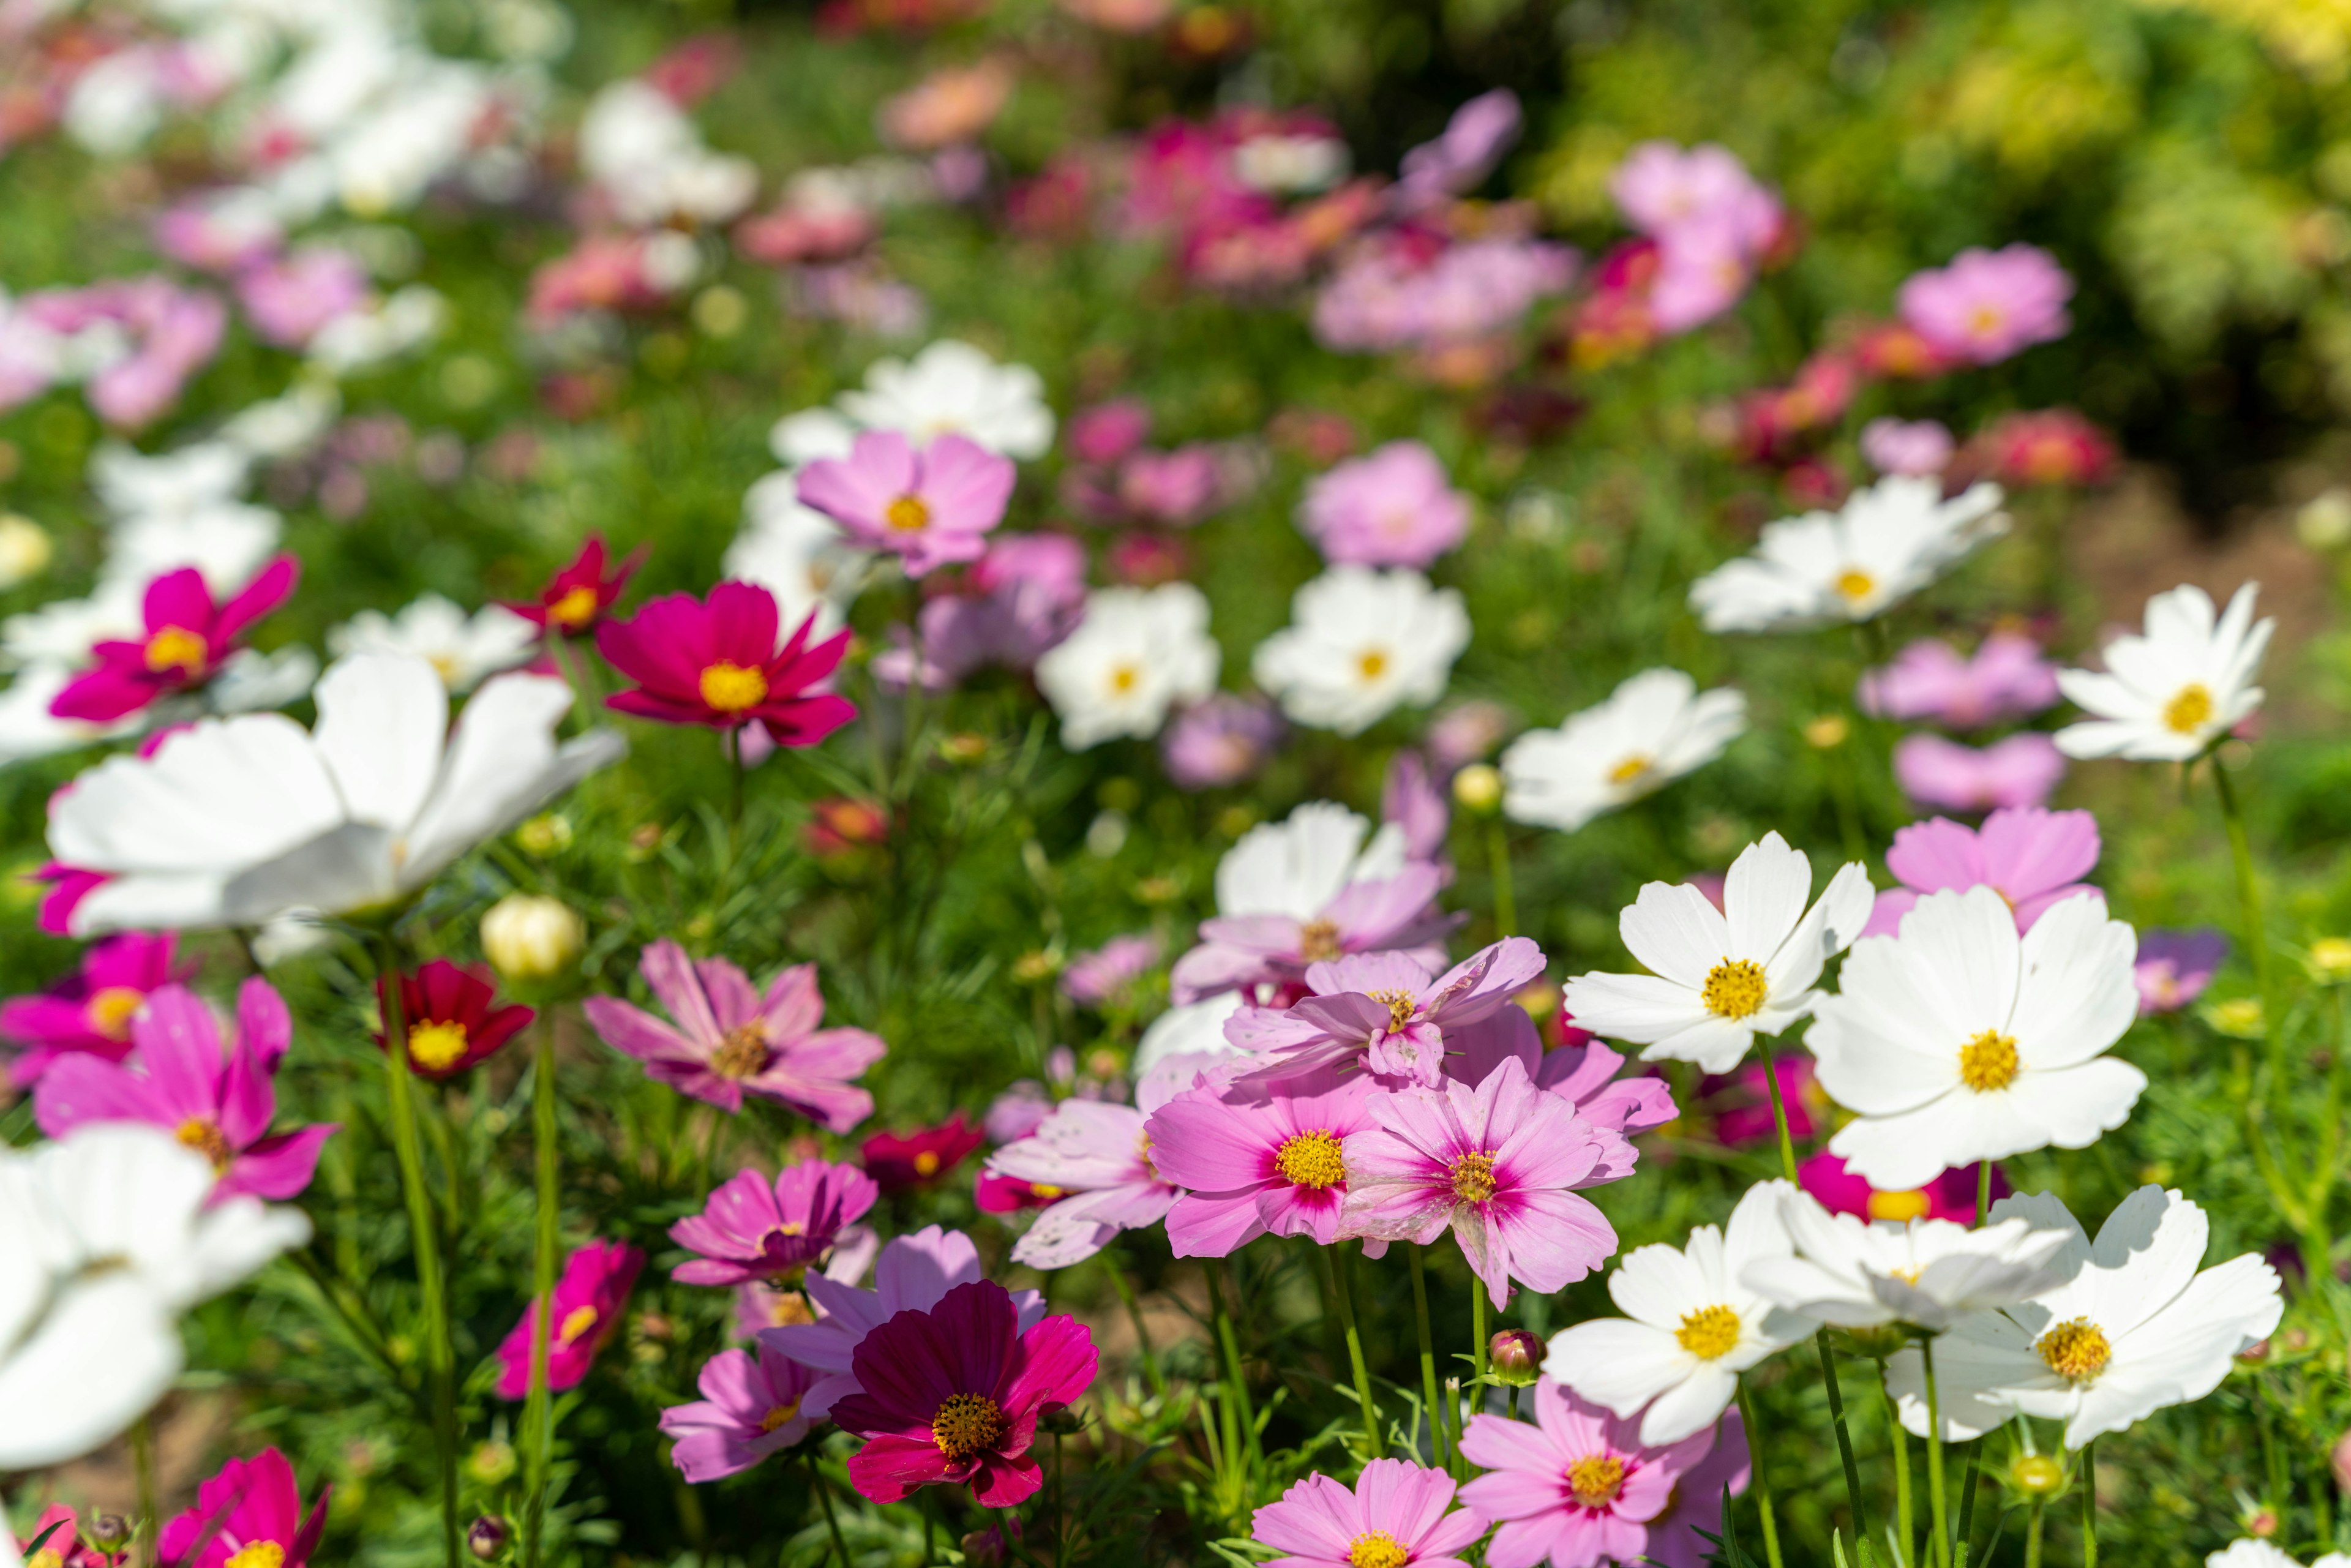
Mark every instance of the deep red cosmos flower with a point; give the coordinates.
(900, 1160)
(187, 640)
(451, 1018)
(952, 1396)
(576, 598)
(715, 663)
(250, 1514)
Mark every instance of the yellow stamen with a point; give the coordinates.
(206, 1137)
(1318, 941)
(576, 1323)
(967, 1423)
(1709, 1333)
(575, 608)
(779, 1415)
(1401, 1006)
(926, 1164)
(1372, 664)
(2189, 711)
(260, 1555)
(1631, 769)
(2075, 1350)
(111, 1009)
(1311, 1160)
(434, 1046)
(1989, 1061)
(1473, 1178)
(1735, 989)
(175, 648)
(1595, 1479)
(1855, 584)
(1123, 679)
(1377, 1550)
(907, 513)
(742, 1052)
(1897, 1205)
(731, 689)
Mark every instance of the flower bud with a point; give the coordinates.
(983, 1548)
(24, 549)
(2037, 1475)
(545, 834)
(1515, 1355)
(528, 937)
(2262, 1523)
(110, 1532)
(1478, 787)
(488, 1537)
(491, 1462)
(1060, 1420)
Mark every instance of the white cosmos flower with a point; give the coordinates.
(2252, 1553)
(798, 554)
(1719, 977)
(1138, 652)
(1887, 542)
(1857, 1274)
(1958, 1039)
(1691, 1324)
(237, 820)
(228, 542)
(1360, 643)
(2167, 695)
(461, 648)
(1653, 728)
(1295, 867)
(378, 331)
(954, 389)
(2133, 1328)
(1192, 1029)
(27, 728)
(106, 1236)
(287, 424)
(190, 479)
(651, 160)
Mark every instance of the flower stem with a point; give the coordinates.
(2032, 1536)
(1498, 855)
(1968, 1479)
(149, 1533)
(1151, 1372)
(1242, 1404)
(1335, 1267)
(1436, 1447)
(1762, 1473)
(1941, 1554)
(1779, 1109)
(2090, 1504)
(824, 1500)
(731, 742)
(1983, 1191)
(1477, 1338)
(539, 1410)
(2249, 901)
(1905, 1522)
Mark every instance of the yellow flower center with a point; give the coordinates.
(1853, 585)
(1311, 1159)
(575, 1325)
(1989, 1061)
(175, 648)
(2075, 1350)
(731, 689)
(1318, 941)
(1401, 1006)
(1631, 771)
(260, 1555)
(779, 1415)
(1897, 1205)
(1123, 679)
(1377, 1550)
(741, 1052)
(111, 1009)
(966, 1424)
(1595, 1479)
(1372, 664)
(2190, 710)
(47, 1557)
(907, 513)
(434, 1046)
(1735, 989)
(1473, 1178)
(575, 608)
(204, 1136)
(1709, 1333)
(1985, 319)
(787, 1308)
(926, 1164)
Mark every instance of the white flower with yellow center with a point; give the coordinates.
(1825, 569)
(1653, 728)
(1138, 652)
(1360, 644)
(1928, 1272)
(952, 387)
(1719, 977)
(1691, 1324)
(462, 649)
(2167, 695)
(2252, 1553)
(2134, 1327)
(1959, 1039)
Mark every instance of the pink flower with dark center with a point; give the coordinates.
(1383, 1011)
(1951, 1196)
(2032, 858)
(2006, 679)
(1498, 1166)
(1375, 914)
(1258, 1159)
(1989, 304)
(248, 1516)
(215, 1097)
(1394, 1515)
(932, 507)
(89, 1011)
(2174, 967)
(1393, 506)
(951, 1396)
(2020, 772)
(728, 1038)
(452, 1019)
(752, 1228)
(1095, 1159)
(290, 298)
(717, 663)
(749, 1408)
(188, 638)
(1577, 1487)
(1096, 978)
(588, 1301)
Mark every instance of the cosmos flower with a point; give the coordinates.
(931, 507)
(1093, 1161)
(463, 649)
(1887, 543)
(1987, 304)
(2171, 970)
(1685, 1532)
(1858, 1273)
(579, 597)
(1258, 1159)
(1136, 654)
(1652, 729)
(2006, 679)
(91, 1009)
(1912, 448)
(902, 1160)
(1393, 1515)
(588, 1303)
(2253, 1553)
(1360, 644)
(2032, 858)
(749, 1408)
(187, 640)
(1384, 1011)
(717, 663)
(1474, 140)
(1096, 978)
(1950, 1195)
(1393, 506)
(953, 388)
(247, 1515)
(753, 1229)
(452, 1018)
(2168, 695)
(2019, 772)
(1576, 1487)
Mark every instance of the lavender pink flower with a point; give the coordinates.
(1394, 1514)
(1096, 978)
(2174, 967)
(1576, 1485)
(2006, 679)
(289, 299)
(1095, 1157)
(1907, 446)
(588, 1303)
(2030, 857)
(1384, 1012)
(1220, 741)
(1026, 594)
(749, 1408)
(1989, 304)
(1393, 506)
(1410, 799)
(2020, 771)
(1373, 916)
(1459, 160)
(90, 1011)
(754, 1229)
(1664, 189)
(1258, 1159)
(931, 507)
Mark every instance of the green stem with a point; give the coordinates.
(1335, 1267)
(1498, 855)
(1478, 1340)
(1941, 1554)
(731, 742)
(149, 1532)
(1983, 1191)
(1779, 1109)
(2257, 941)
(539, 1410)
(1761, 1471)
(2090, 1504)
(1968, 1483)
(2032, 1535)
(1906, 1520)
(1118, 1281)
(824, 1501)
(1242, 1404)
(1437, 1446)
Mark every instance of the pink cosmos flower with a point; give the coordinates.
(2045, 446)
(250, 1514)
(902, 1160)
(1222, 740)
(749, 1408)
(1664, 189)
(1107, 432)
(1382, 1009)
(717, 663)
(2022, 771)
(913, 1274)
(214, 1097)
(1746, 1119)
(188, 638)
(2030, 857)
(1095, 1158)
(220, 231)
(759, 1306)
(1909, 446)
(1176, 488)
(1459, 160)
(290, 298)
(171, 331)
(1394, 1515)
(1585, 1077)
(1028, 593)
(1393, 506)
(951, 1396)
(1258, 1159)
(1496, 1164)
(932, 507)
(1703, 270)
(1096, 978)
(1989, 304)
(579, 597)
(89, 1011)
(728, 1038)
(589, 1300)
(1577, 1487)
(58, 1530)
(1368, 916)
(752, 1228)
(1410, 799)
(2007, 679)
(1674, 1534)
(2174, 967)
(1951, 1196)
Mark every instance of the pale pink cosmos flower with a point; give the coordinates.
(1381, 1010)
(1101, 1155)
(1696, 1506)
(1459, 160)
(932, 507)
(1177, 488)
(1372, 916)
(1577, 1487)
(1989, 304)
(1410, 799)
(2030, 857)
(1662, 188)
(727, 1038)
(751, 1406)
(1221, 740)
(1093, 978)
(1392, 507)
(2006, 679)
(1496, 1164)
(2020, 771)
(1258, 1159)
(1703, 270)
(290, 298)
(2174, 967)
(1909, 446)
(1394, 1515)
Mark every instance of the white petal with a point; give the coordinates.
(382, 722)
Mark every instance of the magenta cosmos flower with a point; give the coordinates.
(90, 1012)
(753, 1229)
(59, 1531)
(1258, 1159)
(2174, 967)
(213, 1096)
(728, 1038)
(1989, 304)
(1093, 1161)
(2020, 771)
(901, 1160)
(1384, 1012)
(1498, 1166)
(932, 507)
(589, 1300)
(951, 1396)
(1393, 506)
(1951, 1196)
(715, 664)
(1578, 1487)
(1394, 1515)
(248, 1516)
(453, 1021)
(576, 599)
(749, 1408)
(2007, 679)
(2030, 857)
(187, 639)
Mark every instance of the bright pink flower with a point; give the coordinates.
(993, 1193)
(251, 1503)
(749, 1408)
(728, 1038)
(1096, 978)
(1577, 1485)
(1384, 1012)
(2022, 771)
(951, 1396)
(759, 1306)
(61, 1545)
(752, 1228)
(215, 1097)
(589, 1300)
(1096, 1158)
(1258, 1159)
(1177, 488)
(627, 272)
(1368, 916)
(1393, 506)
(1989, 304)
(452, 1019)
(68, 885)
(1951, 1196)
(1107, 432)
(89, 1011)
(2174, 967)
(902, 1160)
(188, 638)
(1909, 446)
(933, 506)
(2007, 679)
(1585, 1077)
(291, 298)
(2030, 857)
(1744, 1115)
(1394, 1515)
(578, 598)
(715, 663)
(2047, 447)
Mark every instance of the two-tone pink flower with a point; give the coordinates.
(931, 507)
(1394, 1515)
(1100, 1155)
(1384, 1012)
(756, 1230)
(1258, 1159)
(1577, 1487)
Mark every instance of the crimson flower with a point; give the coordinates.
(715, 663)
(900, 1160)
(451, 1018)
(576, 598)
(188, 639)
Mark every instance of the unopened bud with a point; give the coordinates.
(2262, 1523)
(488, 1537)
(1827, 732)
(2038, 1475)
(25, 549)
(528, 937)
(1515, 1355)
(1479, 787)
(491, 1462)
(964, 749)
(983, 1549)
(1060, 1420)
(110, 1532)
